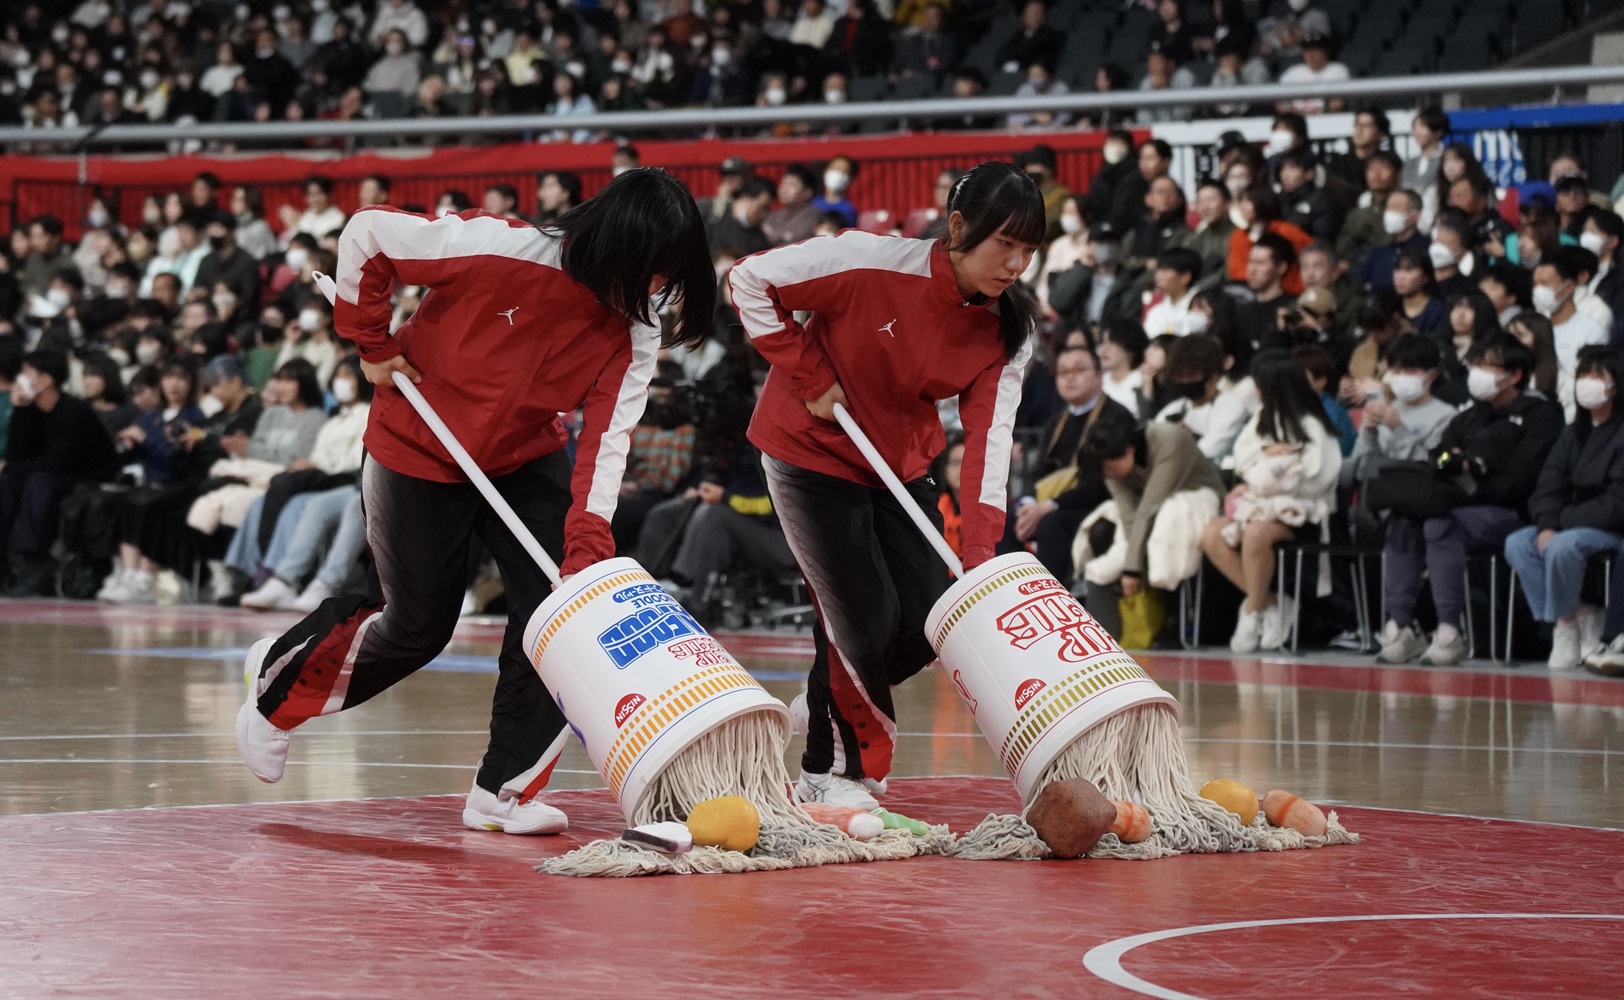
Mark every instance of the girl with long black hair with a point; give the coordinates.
(517, 325)
(1287, 458)
(896, 325)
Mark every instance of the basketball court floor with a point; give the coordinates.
(139, 858)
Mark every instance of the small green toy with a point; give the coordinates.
(897, 821)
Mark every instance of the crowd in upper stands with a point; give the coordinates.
(166, 61)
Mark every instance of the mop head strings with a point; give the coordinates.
(1136, 756)
(743, 757)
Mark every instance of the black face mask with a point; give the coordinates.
(1193, 391)
(217, 243)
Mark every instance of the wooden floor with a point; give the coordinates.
(105, 709)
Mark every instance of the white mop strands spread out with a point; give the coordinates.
(744, 757)
(1136, 756)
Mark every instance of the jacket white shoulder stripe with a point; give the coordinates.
(819, 257)
(610, 462)
(405, 236)
(1001, 433)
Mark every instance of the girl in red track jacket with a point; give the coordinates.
(519, 325)
(895, 326)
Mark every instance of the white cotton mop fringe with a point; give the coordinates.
(1136, 756)
(744, 757)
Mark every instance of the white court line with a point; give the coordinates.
(1105, 960)
(237, 761)
(170, 736)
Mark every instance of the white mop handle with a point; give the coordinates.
(909, 504)
(475, 474)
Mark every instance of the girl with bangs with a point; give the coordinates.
(896, 325)
(518, 324)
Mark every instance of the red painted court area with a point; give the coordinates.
(393, 898)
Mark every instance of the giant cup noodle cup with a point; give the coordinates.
(636, 676)
(1034, 668)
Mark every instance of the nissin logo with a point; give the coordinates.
(1027, 691)
(626, 707)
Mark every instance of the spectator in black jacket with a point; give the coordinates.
(1303, 204)
(1117, 191)
(56, 442)
(1578, 511)
(1487, 465)
(1035, 43)
(1068, 489)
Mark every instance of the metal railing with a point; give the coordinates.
(1551, 81)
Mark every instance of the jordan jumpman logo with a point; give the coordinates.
(887, 329)
(509, 314)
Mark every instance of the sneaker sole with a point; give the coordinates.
(250, 671)
(477, 821)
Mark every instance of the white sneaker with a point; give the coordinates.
(800, 717)
(1448, 647)
(312, 596)
(138, 588)
(274, 595)
(485, 811)
(1592, 621)
(1565, 653)
(839, 790)
(1277, 622)
(1401, 645)
(114, 584)
(1609, 660)
(264, 747)
(470, 604)
(1248, 632)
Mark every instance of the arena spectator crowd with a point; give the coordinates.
(1348, 352)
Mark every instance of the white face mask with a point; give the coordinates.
(1483, 384)
(117, 291)
(1394, 223)
(1104, 253)
(59, 297)
(97, 217)
(296, 258)
(1441, 255)
(1197, 322)
(721, 57)
(210, 405)
(146, 354)
(836, 180)
(1591, 392)
(25, 386)
(1594, 242)
(1298, 6)
(309, 320)
(834, 97)
(149, 79)
(225, 305)
(1406, 388)
(1115, 152)
(1546, 300)
(1280, 140)
(344, 390)
(775, 96)
(1070, 224)
(1238, 217)
(1236, 187)
(621, 66)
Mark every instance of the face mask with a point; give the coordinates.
(1104, 253)
(225, 305)
(1193, 391)
(1115, 152)
(309, 320)
(1280, 140)
(97, 217)
(117, 291)
(210, 405)
(151, 216)
(1590, 392)
(281, 12)
(296, 258)
(112, 78)
(1406, 388)
(1546, 300)
(1298, 6)
(836, 180)
(1197, 322)
(1441, 255)
(720, 57)
(394, 48)
(1483, 384)
(775, 96)
(59, 36)
(1236, 188)
(59, 297)
(344, 390)
(149, 80)
(1238, 217)
(217, 243)
(25, 386)
(1394, 223)
(146, 354)
(1594, 242)
(834, 97)
(621, 66)
(1070, 224)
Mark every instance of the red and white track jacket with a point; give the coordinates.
(888, 323)
(505, 342)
